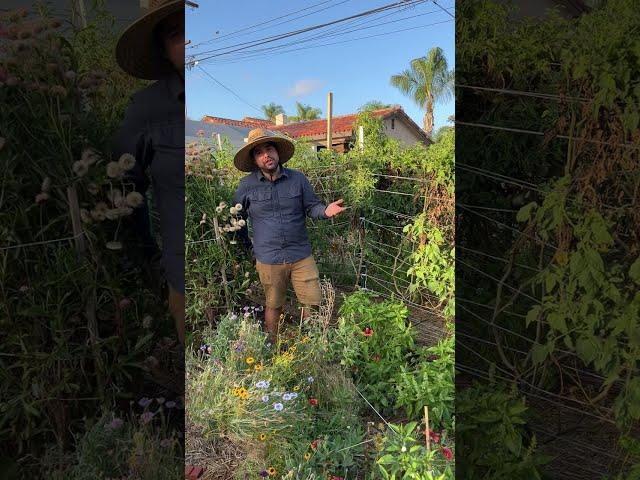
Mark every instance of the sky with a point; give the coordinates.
(355, 70)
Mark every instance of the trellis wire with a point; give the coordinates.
(43, 242)
(542, 134)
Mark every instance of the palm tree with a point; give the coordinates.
(428, 81)
(270, 111)
(305, 112)
(373, 105)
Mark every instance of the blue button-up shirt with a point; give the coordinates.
(277, 211)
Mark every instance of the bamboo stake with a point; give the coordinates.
(91, 301)
(427, 429)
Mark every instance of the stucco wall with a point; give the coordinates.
(401, 131)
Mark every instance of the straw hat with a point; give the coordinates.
(244, 160)
(137, 51)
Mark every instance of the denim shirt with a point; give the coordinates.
(277, 212)
(153, 131)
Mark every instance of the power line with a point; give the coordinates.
(325, 35)
(342, 42)
(274, 38)
(229, 90)
(266, 22)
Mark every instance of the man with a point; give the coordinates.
(276, 200)
(152, 48)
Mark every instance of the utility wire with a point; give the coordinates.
(229, 90)
(244, 45)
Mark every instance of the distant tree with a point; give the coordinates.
(270, 111)
(427, 81)
(441, 131)
(305, 112)
(374, 105)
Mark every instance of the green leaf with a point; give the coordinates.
(539, 353)
(532, 315)
(524, 214)
(557, 321)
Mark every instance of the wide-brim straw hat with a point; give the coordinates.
(244, 159)
(138, 52)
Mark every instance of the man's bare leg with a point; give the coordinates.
(271, 321)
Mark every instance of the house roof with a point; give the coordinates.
(235, 134)
(343, 125)
(246, 122)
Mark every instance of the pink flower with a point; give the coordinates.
(447, 453)
(146, 417)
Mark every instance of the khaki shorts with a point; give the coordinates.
(304, 277)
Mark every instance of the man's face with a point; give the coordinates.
(171, 34)
(266, 157)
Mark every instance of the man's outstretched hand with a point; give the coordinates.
(334, 208)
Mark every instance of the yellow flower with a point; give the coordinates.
(235, 392)
(250, 360)
(307, 456)
(242, 392)
(258, 367)
(263, 437)
(271, 471)
(296, 388)
(305, 339)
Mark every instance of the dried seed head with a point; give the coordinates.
(80, 168)
(113, 170)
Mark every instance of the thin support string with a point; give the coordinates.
(523, 93)
(542, 134)
(374, 409)
(508, 227)
(44, 242)
(500, 259)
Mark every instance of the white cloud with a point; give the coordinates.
(304, 87)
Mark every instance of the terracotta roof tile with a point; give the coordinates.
(340, 124)
(246, 122)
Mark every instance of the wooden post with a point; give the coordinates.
(91, 301)
(223, 271)
(427, 430)
(219, 141)
(329, 114)
(361, 137)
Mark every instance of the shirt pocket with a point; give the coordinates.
(260, 204)
(291, 201)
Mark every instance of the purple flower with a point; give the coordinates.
(264, 474)
(144, 402)
(116, 423)
(265, 398)
(245, 308)
(233, 316)
(146, 417)
(278, 407)
(170, 404)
